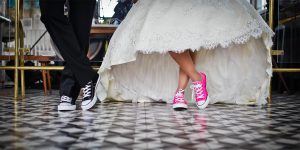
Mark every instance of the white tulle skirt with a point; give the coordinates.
(229, 37)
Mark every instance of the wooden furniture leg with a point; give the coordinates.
(49, 81)
(44, 73)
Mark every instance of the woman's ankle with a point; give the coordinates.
(197, 77)
(180, 89)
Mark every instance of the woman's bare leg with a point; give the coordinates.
(187, 68)
(183, 80)
(183, 77)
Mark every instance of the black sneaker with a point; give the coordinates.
(89, 98)
(66, 103)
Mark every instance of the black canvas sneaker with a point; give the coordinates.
(89, 98)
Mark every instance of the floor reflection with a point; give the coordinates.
(35, 123)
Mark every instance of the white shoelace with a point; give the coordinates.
(87, 90)
(65, 99)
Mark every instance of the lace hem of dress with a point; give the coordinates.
(254, 28)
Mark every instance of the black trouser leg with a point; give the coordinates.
(64, 35)
(80, 16)
(69, 86)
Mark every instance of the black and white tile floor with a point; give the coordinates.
(35, 123)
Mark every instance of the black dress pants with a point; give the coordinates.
(71, 36)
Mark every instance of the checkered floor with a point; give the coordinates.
(35, 123)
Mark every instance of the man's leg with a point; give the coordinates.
(69, 90)
(81, 15)
(69, 86)
(63, 35)
(65, 38)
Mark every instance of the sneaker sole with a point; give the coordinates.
(90, 104)
(62, 108)
(176, 106)
(204, 105)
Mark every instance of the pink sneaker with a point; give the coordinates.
(179, 101)
(200, 92)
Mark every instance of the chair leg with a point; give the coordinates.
(281, 77)
(49, 81)
(44, 80)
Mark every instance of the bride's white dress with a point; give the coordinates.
(229, 37)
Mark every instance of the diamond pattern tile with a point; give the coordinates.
(35, 123)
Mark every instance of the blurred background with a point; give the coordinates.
(110, 13)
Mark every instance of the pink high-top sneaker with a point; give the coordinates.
(179, 101)
(200, 92)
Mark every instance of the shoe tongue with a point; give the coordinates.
(180, 92)
(196, 82)
(66, 98)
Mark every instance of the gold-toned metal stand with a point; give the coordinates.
(278, 70)
(17, 18)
